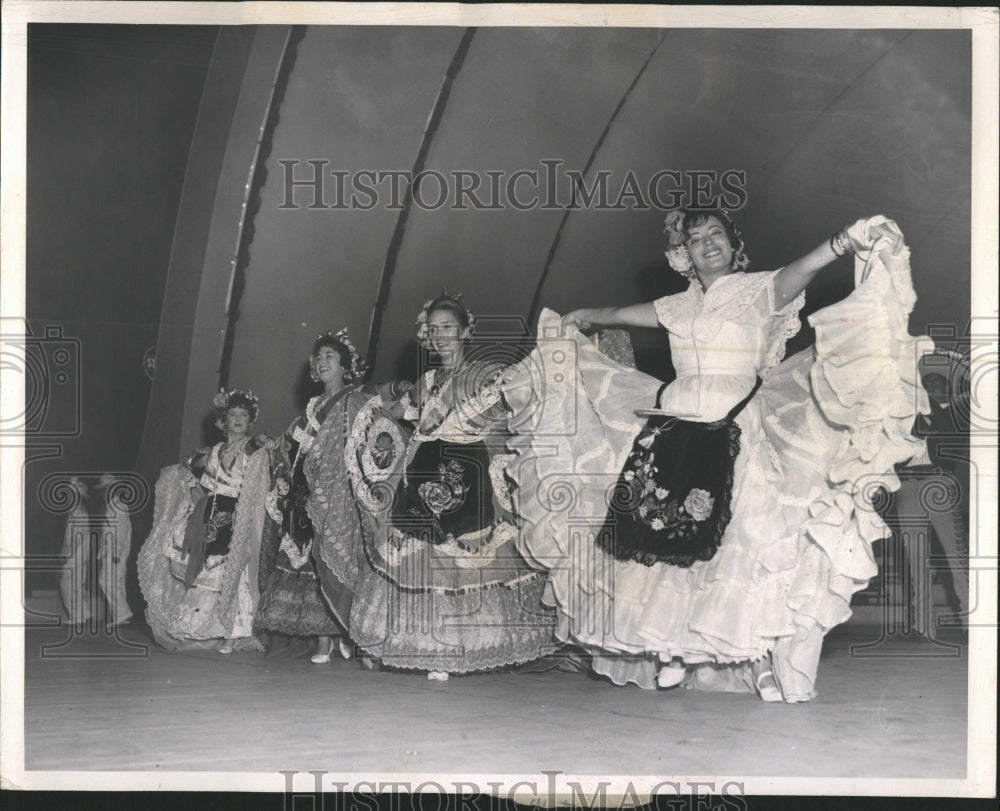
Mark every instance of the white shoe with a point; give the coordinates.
(322, 658)
(768, 692)
(346, 648)
(437, 675)
(670, 676)
(227, 648)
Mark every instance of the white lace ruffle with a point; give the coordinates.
(271, 505)
(365, 473)
(298, 558)
(469, 421)
(706, 312)
(463, 558)
(498, 467)
(782, 326)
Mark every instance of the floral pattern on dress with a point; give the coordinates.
(448, 492)
(656, 506)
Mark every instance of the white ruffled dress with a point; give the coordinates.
(819, 437)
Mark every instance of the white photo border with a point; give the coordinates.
(983, 24)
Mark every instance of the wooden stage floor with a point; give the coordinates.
(892, 710)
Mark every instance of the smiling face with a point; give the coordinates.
(444, 335)
(329, 369)
(237, 422)
(710, 248)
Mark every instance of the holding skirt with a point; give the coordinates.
(198, 568)
(300, 594)
(444, 588)
(817, 439)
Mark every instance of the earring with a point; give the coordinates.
(742, 260)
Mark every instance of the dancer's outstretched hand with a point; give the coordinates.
(890, 230)
(865, 233)
(266, 442)
(576, 318)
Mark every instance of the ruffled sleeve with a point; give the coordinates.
(780, 324)
(676, 312)
(730, 298)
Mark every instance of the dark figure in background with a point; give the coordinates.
(936, 494)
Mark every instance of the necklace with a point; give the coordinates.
(441, 378)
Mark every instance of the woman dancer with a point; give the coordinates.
(291, 600)
(740, 521)
(445, 590)
(198, 568)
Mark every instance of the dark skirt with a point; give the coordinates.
(290, 599)
(218, 524)
(209, 533)
(293, 604)
(671, 503)
(447, 492)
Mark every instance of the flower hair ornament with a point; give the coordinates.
(234, 398)
(356, 366)
(677, 254)
(444, 299)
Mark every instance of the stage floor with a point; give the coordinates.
(890, 709)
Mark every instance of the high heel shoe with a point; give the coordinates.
(437, 675)
(346, 649)
(767, 692)
(322, 658)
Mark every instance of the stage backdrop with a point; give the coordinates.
(817, 128)
(110, 114)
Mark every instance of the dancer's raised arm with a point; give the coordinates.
(862, 235)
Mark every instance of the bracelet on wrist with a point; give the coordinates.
(840, 243)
